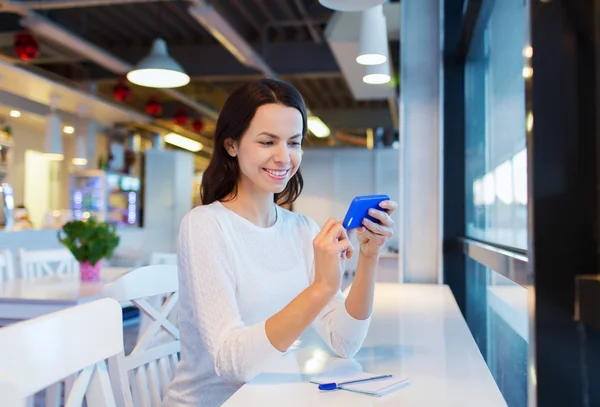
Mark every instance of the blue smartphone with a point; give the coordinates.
(359, 209)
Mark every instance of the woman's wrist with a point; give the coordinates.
(368, 255)
(322, 291)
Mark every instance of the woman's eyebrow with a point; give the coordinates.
(266, 133)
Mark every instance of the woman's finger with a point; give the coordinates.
(366, 233)
(344, 236)
(344, 246)
(376, 228)
(327, 226)
(389, 206)
(336, 232)
(382, 216)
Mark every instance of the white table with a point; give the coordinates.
(417, 332)
(22, 299)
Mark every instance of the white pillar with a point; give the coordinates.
(90, 133)
(421, 141)
(158, 141)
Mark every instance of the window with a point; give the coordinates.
(496, 157)
(499, 321)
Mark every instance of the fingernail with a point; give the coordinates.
(383, 204)
(372, 211)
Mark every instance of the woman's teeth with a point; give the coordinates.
(277, 173)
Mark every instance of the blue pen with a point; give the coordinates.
(333, 386)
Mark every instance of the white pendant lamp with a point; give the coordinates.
(377, 74)
(351, 5)
(373, 44)
(158, 69)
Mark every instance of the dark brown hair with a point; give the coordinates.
(221, 177)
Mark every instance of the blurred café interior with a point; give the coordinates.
(108, 110)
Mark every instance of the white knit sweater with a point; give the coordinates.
(233, 275)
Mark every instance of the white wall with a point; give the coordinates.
(333, 177)
(169, 178)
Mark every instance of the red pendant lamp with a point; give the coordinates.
(121, 91)
(198, 124)
(181, 117)
(153, 107)
(26, 46)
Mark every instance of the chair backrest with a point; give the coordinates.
(7, 268)
(152, 363)
(41, 263)
(163, 258)
(40, 352)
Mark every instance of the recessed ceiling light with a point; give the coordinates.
(69, 130)
(15, 113)
(317, 127)
(183, 142)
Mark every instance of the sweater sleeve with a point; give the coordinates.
(238, 352)
(341, 332)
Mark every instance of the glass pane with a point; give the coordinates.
(496, 167)
(498, 318)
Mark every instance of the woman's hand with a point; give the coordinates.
(372, 236)
(332, 246)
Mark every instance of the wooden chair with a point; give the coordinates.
(41, 263)
(152, 363)
(7, 270)
(72, 343)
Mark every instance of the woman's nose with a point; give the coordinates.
(282, 155)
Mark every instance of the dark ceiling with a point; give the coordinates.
(288, 34)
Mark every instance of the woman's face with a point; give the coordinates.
(269, 152)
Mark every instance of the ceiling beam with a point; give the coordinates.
(213, 59)
(355, 118)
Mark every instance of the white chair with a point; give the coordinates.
(41, 263)
(74, 342)
(152, 363)
(163, 258)
(7, 268)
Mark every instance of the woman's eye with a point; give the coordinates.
(295, 144)
(266, 143)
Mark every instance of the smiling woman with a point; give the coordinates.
(253, 275)
(272, 114)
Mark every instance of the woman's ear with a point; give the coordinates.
(230, 147)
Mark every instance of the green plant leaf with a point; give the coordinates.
(90, 240)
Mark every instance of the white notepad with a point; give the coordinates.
(376, 388)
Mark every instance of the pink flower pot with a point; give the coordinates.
(89, 272)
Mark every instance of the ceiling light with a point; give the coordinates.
(377, 74)
(79, 161)
(351, 5)
(373, 44)
(158, 69)
(15, 113)
(69, 129)
(54, 157)
(183, 142)
(317, 127)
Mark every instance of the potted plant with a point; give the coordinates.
(90, 242)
